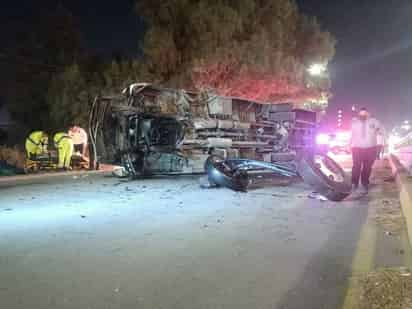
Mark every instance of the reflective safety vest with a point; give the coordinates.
(36, 138)
(58, 137)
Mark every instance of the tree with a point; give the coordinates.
(68, 99)
(71, 93)
(258, 49)
(54, 80)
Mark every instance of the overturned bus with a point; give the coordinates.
(153, 130)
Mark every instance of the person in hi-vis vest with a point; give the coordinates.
(36, 144)
(64, 144)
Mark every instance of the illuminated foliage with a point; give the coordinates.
(259, 49)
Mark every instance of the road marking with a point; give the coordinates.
(363, 260)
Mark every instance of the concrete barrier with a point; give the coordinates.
(404, 182)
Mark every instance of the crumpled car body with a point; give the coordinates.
(154, 130)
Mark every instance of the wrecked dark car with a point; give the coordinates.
(150, 130)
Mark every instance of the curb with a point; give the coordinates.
(404, 183)
(11, 181)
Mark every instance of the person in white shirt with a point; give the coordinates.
(79, 137)
(365, 130)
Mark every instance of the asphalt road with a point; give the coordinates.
(97, 242)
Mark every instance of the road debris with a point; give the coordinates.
(290, 239)
(241, 175)
(317, 196)
(205, 184)
(268, 194)
(120, 172)
(389, 288)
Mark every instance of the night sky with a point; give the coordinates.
(107, 26)
(372, 66)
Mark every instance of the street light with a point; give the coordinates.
(317, 69)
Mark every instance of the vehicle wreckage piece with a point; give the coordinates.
(325, 176)
(320, 171)
(235, 173)
(151, 130)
